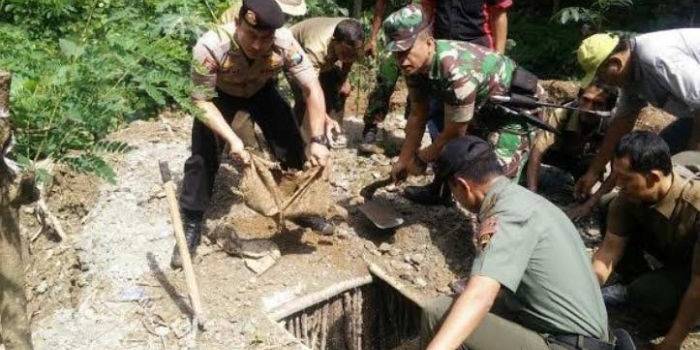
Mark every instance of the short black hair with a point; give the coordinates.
(470, 158)
(349, 31)
(646, 151)
(481, 168)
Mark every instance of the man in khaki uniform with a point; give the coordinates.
(657, 213)
(580, 135)
(333, 45)
(529, 252)
(234, 69)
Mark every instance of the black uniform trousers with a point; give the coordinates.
(270, 111)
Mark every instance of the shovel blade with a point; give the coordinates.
(381, 215)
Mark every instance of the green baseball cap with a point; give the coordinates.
(593, 51)
(401, 28)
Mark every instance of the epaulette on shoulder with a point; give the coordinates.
(691, 192)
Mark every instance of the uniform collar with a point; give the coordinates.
(667, 204)
(498, 186)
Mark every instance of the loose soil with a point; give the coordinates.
(110, 286)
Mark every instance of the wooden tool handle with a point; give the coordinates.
(187, 267)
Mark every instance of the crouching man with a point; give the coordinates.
(657, 213)
(529, 253)
(333, 46)
(235, 66)
(463, 75)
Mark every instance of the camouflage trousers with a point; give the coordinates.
(512, 150)
(387, 75)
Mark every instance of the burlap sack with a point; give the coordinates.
(271, 191)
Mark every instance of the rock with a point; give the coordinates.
(369, 246)
(417, 258)
(341, 183)
(81, 281)
(394, 251)
(385, 247)
(407, 277)
(42, 287)
(162, 331)
(398, 265)
(358, 200)
(341, 212)
(375, 252)
(444, 290)
(420, 282)
(376, 175)
(391, 188)
(380, 159)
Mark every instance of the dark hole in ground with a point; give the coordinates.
(372, 316)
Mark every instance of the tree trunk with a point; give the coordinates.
(13, 303)
(357, 8)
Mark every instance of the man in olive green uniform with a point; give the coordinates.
(529, 252)
(657, 213)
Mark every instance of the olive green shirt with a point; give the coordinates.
(668, 229)
(532, 249)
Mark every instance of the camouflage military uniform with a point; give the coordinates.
(464, 75)
(388, 74)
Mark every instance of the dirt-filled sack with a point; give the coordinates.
(274, 192)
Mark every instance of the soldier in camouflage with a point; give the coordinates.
(463, 75)
(482, 22)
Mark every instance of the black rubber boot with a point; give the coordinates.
(369, 145)
(430, 194)
(317, 224)
(192, 225)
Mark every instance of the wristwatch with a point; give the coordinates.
(321, 140)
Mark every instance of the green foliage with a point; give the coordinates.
(83, 68)
(545, 49)
(327, 8)
(595, 14)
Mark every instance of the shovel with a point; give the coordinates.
(381, 215)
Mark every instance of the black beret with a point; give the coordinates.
(262, 14)
(459, 154)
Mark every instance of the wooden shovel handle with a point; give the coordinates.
(187, 267)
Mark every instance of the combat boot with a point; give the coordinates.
(316, 223)
(370, 140)
(192, 225)
(430, 194)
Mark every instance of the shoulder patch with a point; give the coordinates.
(487, 229)
(691, 193)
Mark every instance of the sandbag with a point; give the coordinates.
(274, 192)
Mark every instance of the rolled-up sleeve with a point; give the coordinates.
(297, 63)
(460, 100)
(205, 66)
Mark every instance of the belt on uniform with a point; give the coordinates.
(583, 342)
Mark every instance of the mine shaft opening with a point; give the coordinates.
(373, 316)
